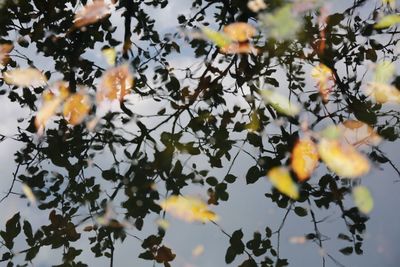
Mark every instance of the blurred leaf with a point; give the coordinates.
(282, 24)
(110, 55)
(383, 93)
(281, 180)
(76, 108)
(91, 13)
(280, 103)
(29, 77)
(304, 158)
(115, 84)
(188, 208)
(363, 199)
(325, 80)
(239, 31)
(358, 133)
(29, 194)
(343, 159)
(387, 21)
(219, 39)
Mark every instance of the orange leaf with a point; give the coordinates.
(343, 159)
(304, 158)
(5, 49)
(76, 108)
(91, 13)
(115, 83)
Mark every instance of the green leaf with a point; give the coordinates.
(302, 212)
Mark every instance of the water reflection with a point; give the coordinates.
(194, 124)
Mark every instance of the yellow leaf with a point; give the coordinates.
(115, 84)
(109, 54)
(29, 77)
(164, 224)
(52, 100)
(189, 209)
(325, 80)
(363, 199)
(387, 21)
(384, 71)
(383, 93)
(76, 108)
(281, 180)
(239, 31)
(304, 158)
(29, 194)
(91, 13)
(198, 250)
(343, 159)
(5, 49)
(280, 103)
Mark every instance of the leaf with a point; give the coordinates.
(387, 21)
(239, 31)
(239, 48)
(282, 24)
(363, 199)
(358, 133)
(76, 108)
(198, 250)
(5, 49)
(29, 77)
(91, 13)
(110, 55)
(188, 208)
(47, 111)
(219, 39)
(281, 180)
(115, 84)
(383, 93)
(52, 100)
(280, 103)
(304, 158)
(256, 5)
(164, 254)
(384, 71)
(343, 159)
(325, 80)
(28, 193)
(302, 212)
